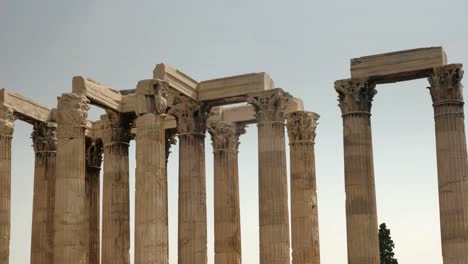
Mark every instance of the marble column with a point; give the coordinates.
(151, 224)
(304, 212)
(6, 134)
(452, 161)
(355, 100)
(45, 145)
(70, 216)
(225, 138)
(270, 110)
(93, 200)
(192, 229)
(116, 203)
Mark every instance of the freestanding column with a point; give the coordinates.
(452, 161)
(304, 212)
(6, 133)
(355, 100)
(151, 224)
(45, 145)
(93, 199)
(270, 110)
(70, 216)
(191, 127)
(225, 137)
(116, 204)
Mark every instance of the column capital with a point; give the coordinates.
(7, 119)
(72, 110)
(445, 83)
(225, 135)
(270, 106)
(44, 137)
(301, 126)
(355, 95)
(191, 117)
(115, 128)
(151, 97)
(94, 152)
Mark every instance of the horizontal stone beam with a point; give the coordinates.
(398, 66)
(177, 80)
(233, 89)
(97, 93)
(24, 108)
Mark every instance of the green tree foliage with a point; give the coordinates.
(387, 256)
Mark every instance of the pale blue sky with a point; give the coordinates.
(304, 45)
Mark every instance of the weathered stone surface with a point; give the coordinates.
(398, 66)
(452, 161)
(25, 109)
(191, 127)
(225, 138)
(6, 132)
(270, 110)
(97, 93)
(177, 80)
(355, 100)
(70, 216)
(45, 145)
(304, 210)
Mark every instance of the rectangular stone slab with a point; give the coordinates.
(97, 93)
(177, 80)
(26, 109)
(398, 66)
(228, 89)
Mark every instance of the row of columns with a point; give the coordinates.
(355, 101)
(66, 205)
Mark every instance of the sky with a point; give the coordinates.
(304, 45)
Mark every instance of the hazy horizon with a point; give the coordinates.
(303, 45)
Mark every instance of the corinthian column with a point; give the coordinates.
(304, 213)
(45, 145)
(93, 199)
(270, 110)
(6, 133)
(151, 219)
(116, 205)
(70, 216)
(355, 100)
(452, 161)
(191, 127)
(225, 137)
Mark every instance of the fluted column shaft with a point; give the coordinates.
(270, 110)
(225, 137)
(45, 146)
(6, 133)
(70, 216)
(355, 97)
(93, 199)
(452, 161)
(151, 218)
(192, 229)
(116, 203)
(304, 211)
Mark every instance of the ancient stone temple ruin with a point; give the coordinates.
(70, 152)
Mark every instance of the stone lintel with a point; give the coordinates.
(398, 66)
(233, 89)
(98, 94)
(177, 80)
(25, 108)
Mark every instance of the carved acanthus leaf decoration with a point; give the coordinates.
(44, 137)
(301, 126)
(72, 109)
(191, 117)
(270, 106)
(225, 136)
(94, 152)
(115, 128)
(7, 119)
(355, 95)
(445, 83)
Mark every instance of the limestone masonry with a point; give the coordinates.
(71, 150)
